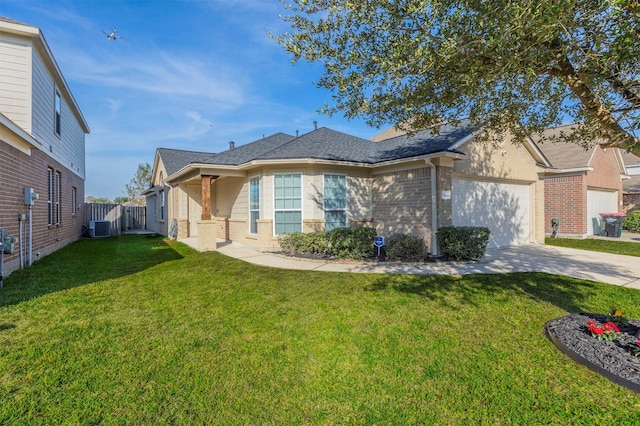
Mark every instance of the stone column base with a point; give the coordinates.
(207, 234)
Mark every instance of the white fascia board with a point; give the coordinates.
(568, 171)
(28, 142)
(464, 140)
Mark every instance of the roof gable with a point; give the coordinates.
(176, 159)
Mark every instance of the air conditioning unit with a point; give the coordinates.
(100, 228)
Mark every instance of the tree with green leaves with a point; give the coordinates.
(140, 182)
(121, 200)
(506, 65)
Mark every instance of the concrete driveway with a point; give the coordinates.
(608, 268)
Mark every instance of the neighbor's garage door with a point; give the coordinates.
(599, 201)
(501, 207)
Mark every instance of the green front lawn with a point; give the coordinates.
(134, 330)
(595, 244)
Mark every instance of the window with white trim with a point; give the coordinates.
(57, 195)
(74, 197)
(50, 173)
(254, 204)
(162, 205)
(335, 201)
(58, 113)
(287, 203)
(162, 198)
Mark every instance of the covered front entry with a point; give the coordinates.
(504, 208)
(599, 201)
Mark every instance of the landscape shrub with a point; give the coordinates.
(463, 242)
(352, 243)
(406, 248)
(297, 243)
(632, 221)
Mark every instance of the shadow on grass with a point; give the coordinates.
(566, 293)
(88, 261)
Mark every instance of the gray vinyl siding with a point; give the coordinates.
(15, 75)
(68, 148)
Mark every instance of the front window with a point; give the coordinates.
(288, 203)
(254, 204)
(58, 114)
(335, 201)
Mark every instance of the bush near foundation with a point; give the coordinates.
(463, 242)
(632, 221)
(406, 248)
(342, 243)
(352, 243)
(312, 243)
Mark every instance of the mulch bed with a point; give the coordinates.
(613, 359)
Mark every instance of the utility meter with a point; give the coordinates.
(29, 196)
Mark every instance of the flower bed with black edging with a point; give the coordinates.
(591, 340)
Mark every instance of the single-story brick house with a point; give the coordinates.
(631, 186)
(580, 184)
(325, 179)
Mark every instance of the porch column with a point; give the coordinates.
(207, 181)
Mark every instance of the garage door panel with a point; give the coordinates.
(599, 201)
(501, 207)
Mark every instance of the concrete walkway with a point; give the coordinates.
(604, 267)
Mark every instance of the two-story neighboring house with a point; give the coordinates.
(631, 186)
(42, 148)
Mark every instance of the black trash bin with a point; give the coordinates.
(612, 226)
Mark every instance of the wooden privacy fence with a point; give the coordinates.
(123, 218)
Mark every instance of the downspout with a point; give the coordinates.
(434, 207)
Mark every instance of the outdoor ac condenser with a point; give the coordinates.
(100, 228)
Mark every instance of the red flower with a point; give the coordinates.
(598, 330)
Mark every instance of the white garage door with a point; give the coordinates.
(599, 201)
(501, 207)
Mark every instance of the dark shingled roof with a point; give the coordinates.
(327, 144)
(251, 151)
(323, 144)
(422, 142)
(176, 159)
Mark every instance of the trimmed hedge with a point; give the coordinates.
(632, 221)
(297, 243)
(406, 248)
(463, 242)
(343, 243)
(352, 243)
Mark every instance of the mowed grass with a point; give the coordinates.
(135, 330)
(613, 245)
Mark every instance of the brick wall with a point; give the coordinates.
(20, 170)
(565, 197)
(401, 203)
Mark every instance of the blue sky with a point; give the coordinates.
(187, 74)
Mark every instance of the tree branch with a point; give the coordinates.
(618, 137)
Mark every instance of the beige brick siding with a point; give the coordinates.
(402, 203)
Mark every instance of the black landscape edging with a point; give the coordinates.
(621, 381)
